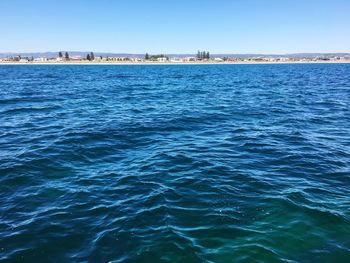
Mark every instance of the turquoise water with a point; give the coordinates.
(217, 163)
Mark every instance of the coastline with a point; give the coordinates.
(176, 63)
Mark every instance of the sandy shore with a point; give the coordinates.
(174, 63)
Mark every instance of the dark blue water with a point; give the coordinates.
(217, 163)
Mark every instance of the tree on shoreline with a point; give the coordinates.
(60, 55)
(66, 56)
(88, 57)
(203, 55)
(92, 56)
(147, 56)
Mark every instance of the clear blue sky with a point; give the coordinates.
(181, 26)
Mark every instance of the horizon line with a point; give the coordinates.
(175, 53)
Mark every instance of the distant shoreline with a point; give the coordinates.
(176, 63)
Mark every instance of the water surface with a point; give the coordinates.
(216, 163)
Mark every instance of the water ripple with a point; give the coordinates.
(240, 163)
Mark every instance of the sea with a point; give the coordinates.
(175, 163)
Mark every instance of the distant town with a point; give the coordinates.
(64, 57)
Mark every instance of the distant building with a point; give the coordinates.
(189, 59)
(98, 59)
(176, 60)
(137, 59)
(76, 58)
(40, 60)
(162, 59)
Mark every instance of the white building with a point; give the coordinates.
(76, 58)
(218, 59)
(177, 60)
(162, 59)
(40, 59)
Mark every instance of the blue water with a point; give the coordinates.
(217, 163)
